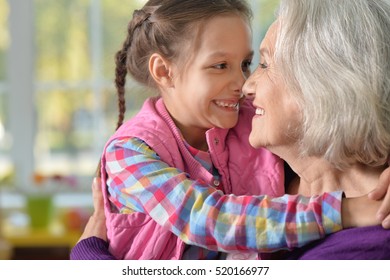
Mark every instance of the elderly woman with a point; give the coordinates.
(322, 99)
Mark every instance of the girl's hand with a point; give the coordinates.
(383, 192)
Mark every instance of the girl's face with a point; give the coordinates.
(278, 118)
(208, 91)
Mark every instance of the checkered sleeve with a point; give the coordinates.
(139, 181)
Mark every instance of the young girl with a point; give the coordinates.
(180, 180)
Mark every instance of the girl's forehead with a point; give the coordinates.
(220, 37)
(225, 32)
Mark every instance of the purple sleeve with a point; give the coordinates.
(365, 243)
(92, 248)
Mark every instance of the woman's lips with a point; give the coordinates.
(260, 112)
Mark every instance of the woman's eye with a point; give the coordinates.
(263, 65)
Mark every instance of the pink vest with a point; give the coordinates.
(243, 170)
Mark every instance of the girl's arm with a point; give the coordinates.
(138, 181)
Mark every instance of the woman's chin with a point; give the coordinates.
(254, 141)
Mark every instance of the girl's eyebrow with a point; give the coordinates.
(251, 53)
(219, 54)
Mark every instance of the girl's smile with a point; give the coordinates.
(228, 105)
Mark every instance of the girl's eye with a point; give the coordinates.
(220, 66)
(246, 65)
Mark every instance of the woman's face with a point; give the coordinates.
(278, 117)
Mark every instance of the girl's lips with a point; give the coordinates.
(227, 104)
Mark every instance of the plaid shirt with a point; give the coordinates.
(200, 215)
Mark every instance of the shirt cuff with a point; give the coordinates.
(92, 248)
(331, 212)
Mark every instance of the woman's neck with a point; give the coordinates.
(316, 176)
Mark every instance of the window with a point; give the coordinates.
(60, 71)
(5, 162)
(75, 43)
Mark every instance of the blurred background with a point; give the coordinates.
(57, 109)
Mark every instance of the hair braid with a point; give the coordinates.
(120, 75)
(120, 82)
(121, 59)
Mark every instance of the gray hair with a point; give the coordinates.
(335, 57)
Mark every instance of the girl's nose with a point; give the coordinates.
(239, 81)
(249, 88)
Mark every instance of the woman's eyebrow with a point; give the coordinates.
(264, 51)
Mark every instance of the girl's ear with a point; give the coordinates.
(161, 70)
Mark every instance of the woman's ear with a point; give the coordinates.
(161, 70)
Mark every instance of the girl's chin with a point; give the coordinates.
(227, 124)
